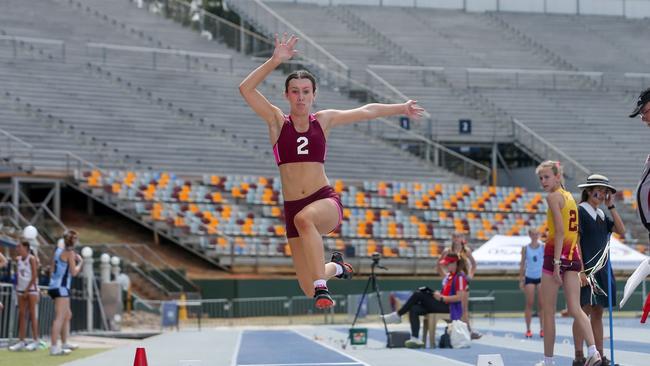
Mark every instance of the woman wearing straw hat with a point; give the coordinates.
(595, 228)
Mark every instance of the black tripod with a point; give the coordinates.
(372, 280)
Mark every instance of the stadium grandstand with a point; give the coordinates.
(128, 112)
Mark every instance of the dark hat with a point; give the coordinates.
(644, 98)
(597, 180)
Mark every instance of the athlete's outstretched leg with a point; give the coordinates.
(317, 218)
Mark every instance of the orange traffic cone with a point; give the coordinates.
(140, 357)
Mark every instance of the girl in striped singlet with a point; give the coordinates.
(562, 263)
(27, 291)
(66, 264)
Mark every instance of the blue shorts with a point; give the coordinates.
(534, 281)
(58, 292)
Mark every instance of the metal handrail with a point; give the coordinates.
(220, 20)
(591, 75)
(407, 67)
(17, 139)
(155, 268)
(51, 215)
(302, 35)
(392, 88)
(338, 64)
(15, 39)
(164, 262)
(175, 52)
(486, 70)
(32, 150)
(21, 221)
(33, 40)
(549, 145)
(148, 278)
(156, 51)
(416, 135)
(437, 145)
(228, 22)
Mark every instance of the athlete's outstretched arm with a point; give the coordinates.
(333, 117)
(284, 50)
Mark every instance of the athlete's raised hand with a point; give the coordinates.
(413, 110)
(285, 47)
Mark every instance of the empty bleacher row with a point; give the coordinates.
(243, 214)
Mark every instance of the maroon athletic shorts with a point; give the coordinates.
(565, 265)
(291, 208)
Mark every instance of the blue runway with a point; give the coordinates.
(287, 348)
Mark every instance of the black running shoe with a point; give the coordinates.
(323, 298)
(579, 362)
(337, 258)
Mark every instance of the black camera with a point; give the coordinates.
(376, 257)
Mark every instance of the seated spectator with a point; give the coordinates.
(425, 301)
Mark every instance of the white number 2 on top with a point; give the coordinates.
(302, 148)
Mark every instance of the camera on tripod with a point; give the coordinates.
(393, 339)
(376, 257)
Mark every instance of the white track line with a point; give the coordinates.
(235, 354)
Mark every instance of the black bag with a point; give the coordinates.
(426, 290)
(397, 339)
(445, 340)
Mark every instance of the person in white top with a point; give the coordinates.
(27, 291)
(530, 277)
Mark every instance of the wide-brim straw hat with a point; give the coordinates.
(597, 180)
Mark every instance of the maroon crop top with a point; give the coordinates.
(296, 147)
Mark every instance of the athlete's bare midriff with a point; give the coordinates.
(300, 180)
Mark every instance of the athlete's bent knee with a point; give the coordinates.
(303, 220)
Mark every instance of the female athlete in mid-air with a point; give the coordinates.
(311, 207)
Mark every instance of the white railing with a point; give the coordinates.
(157, 52)
(396, 96)
(24, 154)
(546, 150)
(274, 23)
(536, 79)
(636, 79)
(17, 41)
